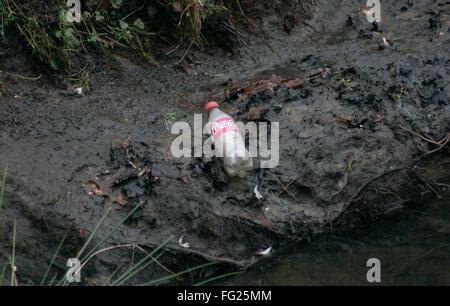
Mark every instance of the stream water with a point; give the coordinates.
(413, 249)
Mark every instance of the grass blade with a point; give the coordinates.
(52, 280)
(178, 274)
(217, 277)
(64, 281)
(111, 276)
(130, 274)
(132, 271)
(2, 189)
(94, 232)
(110, 232)
(13, 255)
(2, 277)
(53, 259)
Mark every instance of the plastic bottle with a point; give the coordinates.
(228, 142)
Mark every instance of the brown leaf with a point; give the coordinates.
(244, 93)
(91, 187)
(115, 202)
(119, 199)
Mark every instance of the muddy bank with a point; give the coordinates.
(350, 138)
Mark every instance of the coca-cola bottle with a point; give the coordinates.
(228, 142)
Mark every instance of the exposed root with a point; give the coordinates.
(441, 144)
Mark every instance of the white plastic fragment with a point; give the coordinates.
(264, 252)
(386, 44)
(78, 90)
(185, 244)
(257, 194)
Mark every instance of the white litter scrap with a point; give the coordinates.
(257, 194)
(78, 90)
(386, 44)
(264, 252)
(185, 244)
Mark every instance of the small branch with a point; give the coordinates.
(293, 180)
(278, 181)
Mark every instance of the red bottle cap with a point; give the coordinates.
(211, 104)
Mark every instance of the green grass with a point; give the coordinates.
(2, 188)
(54, 41)
(13, 256)
(53, 260)
(153, 282)
(2, 276)
(149, 259)
(169, 118)
(108, 280)
(140, 265)
(217, 278)
(132, 271)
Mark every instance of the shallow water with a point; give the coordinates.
(413, 249)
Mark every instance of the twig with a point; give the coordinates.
(104, 250)
(442, 143)
(293, 180)
(23, 77)
(278, 181)
(155, 260)
(420, 136)
(368, 183)
(447, 138)
(240, 8)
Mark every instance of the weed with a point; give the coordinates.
(209, 8)
(169, 118)
(54, 41)
(348, 84)
(349, 167)
(7, 17)
(82, 77)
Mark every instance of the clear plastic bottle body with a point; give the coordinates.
(229, 144)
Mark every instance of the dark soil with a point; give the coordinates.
(349, 149)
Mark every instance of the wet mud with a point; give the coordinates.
(369, 103)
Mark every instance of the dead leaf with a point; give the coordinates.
(91, 187)
(119, 199)
(115, 202)
(243, 93)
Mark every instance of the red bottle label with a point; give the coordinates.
(221, 126)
